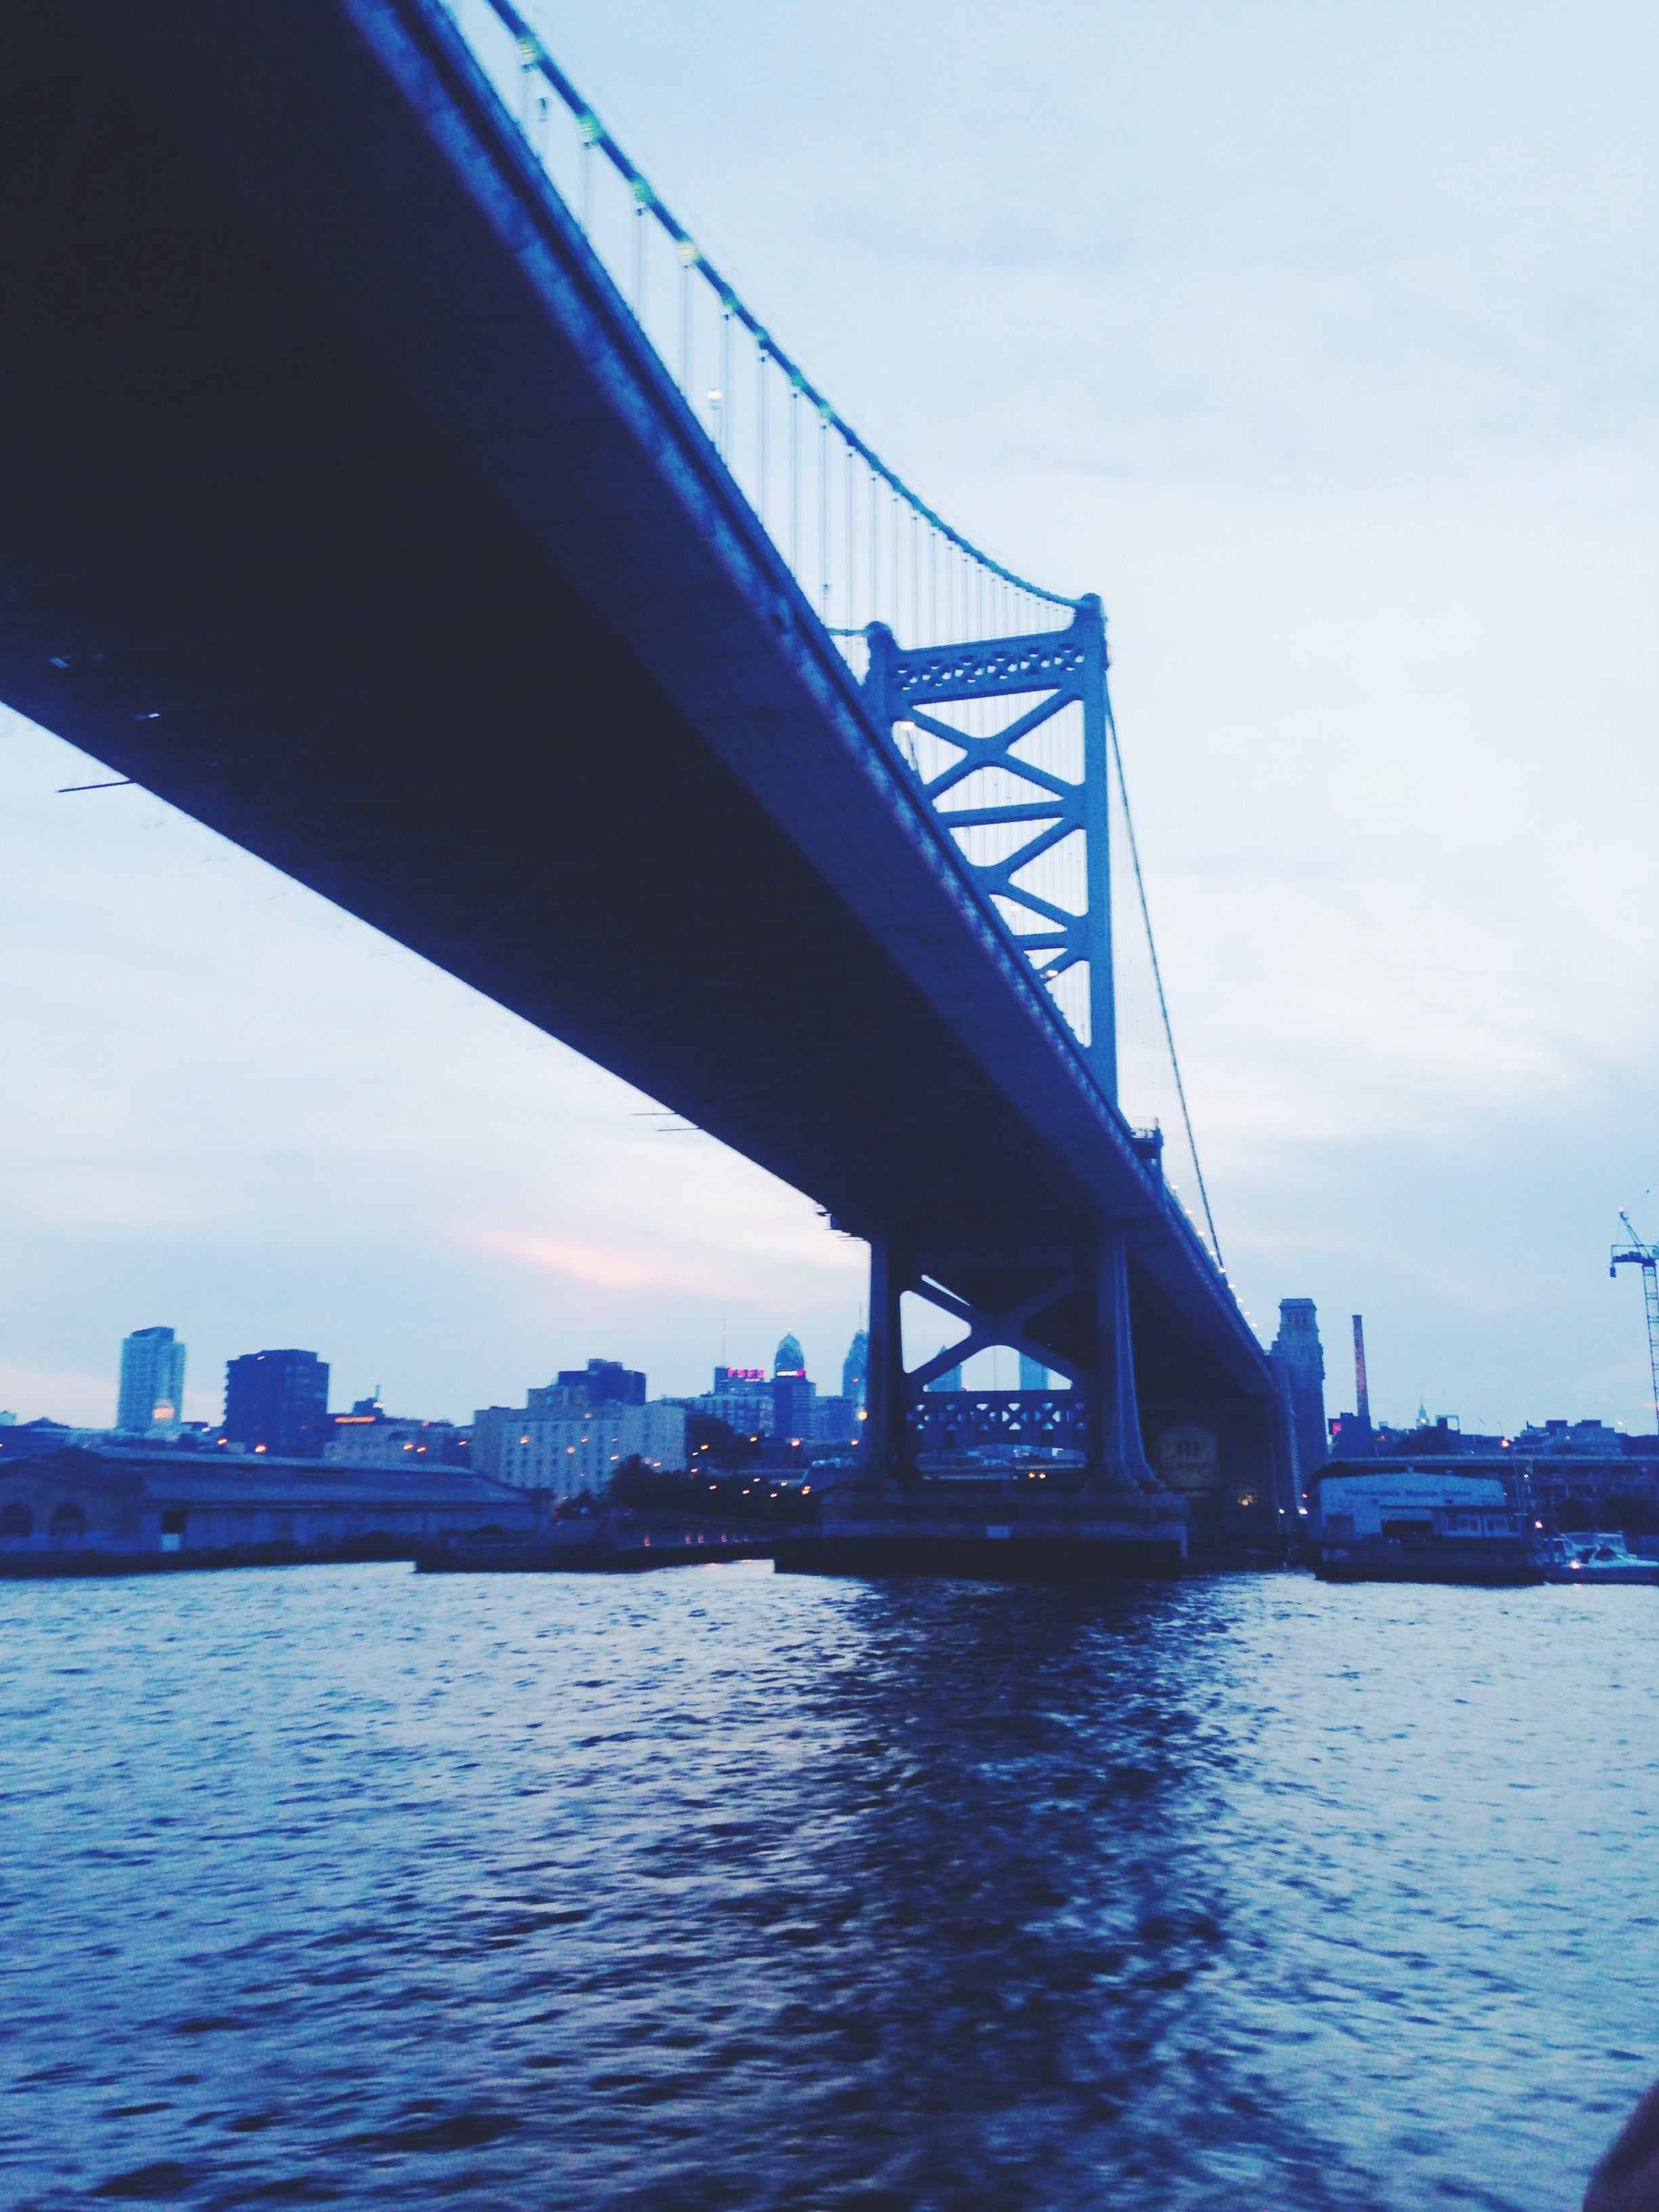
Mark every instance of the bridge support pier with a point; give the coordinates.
(886, 1442)
(1020, 1511)
(1106, 1382)
(1117, 1455)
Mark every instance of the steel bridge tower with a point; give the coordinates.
(905, 691)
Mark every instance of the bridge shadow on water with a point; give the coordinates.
(1019, 1912)
(716, 1890)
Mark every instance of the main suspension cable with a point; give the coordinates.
(534, 59)
(1158, 978)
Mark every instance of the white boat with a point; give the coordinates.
(1598, 1559)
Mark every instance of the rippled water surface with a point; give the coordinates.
(715, 1888)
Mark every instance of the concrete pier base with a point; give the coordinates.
(998, 1529)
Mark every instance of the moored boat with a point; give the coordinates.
(1602, 1558)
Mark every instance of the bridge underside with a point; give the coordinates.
(341, 506)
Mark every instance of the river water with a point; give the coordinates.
(717, 1889)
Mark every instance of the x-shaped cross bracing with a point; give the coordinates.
(1066, 667)
(986, 1329)
(1063, 811)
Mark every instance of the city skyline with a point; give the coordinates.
(837, 1370)
(1000, 1369)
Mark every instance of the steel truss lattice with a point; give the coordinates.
(1057, 669)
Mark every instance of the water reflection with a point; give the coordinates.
(717, 1889)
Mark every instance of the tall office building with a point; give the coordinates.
(741, 1398)
(834, 1421)
(277, 1402)
(791, 1394)
(855, 1370)
(606, 1382)
(152, 1400)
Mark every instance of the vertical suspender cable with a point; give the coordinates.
(726, 381)
(688, 257)
(959, 598)
(896, 548)
(761, 353)
(795, 474)
(849, 517)
(823, 509)
(875, 550)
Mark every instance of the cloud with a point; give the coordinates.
(581, 1263)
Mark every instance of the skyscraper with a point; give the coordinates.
(277, 1401)
(152, 1400)
(855, 1370)
(791, 1394)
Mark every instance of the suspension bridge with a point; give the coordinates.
(396, 486)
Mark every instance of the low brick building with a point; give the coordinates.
(76, 1510)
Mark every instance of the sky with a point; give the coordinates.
(1323, 342)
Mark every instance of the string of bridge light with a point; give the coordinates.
(861, 542)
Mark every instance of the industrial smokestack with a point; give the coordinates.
(1362, 1395)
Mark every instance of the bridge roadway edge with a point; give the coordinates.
(749, 666)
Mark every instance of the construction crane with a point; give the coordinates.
(1636, 1254)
